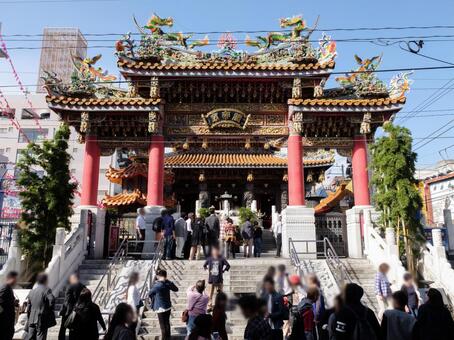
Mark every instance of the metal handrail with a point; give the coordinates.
(108, 273)
(156, 261)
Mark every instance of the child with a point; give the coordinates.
(257, 235)
(229, 237)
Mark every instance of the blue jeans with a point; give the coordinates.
(190, 325)
(168, 246)
(257, 247)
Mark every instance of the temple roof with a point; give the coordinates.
(224, 65)
(81, 103)
(347, 102)
(211, 160)
(334, 198)
(125, 198)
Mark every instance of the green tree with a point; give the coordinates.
(47, 194)
(396, 194)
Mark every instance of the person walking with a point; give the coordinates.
(277, 231)
(87, 315)
(71, 297)
(397, 324)
(216, 265)
(141, 227)
(198, 236)
(120, 324)
(257, 235)
(168, 225)
(213, 228)
(434, 320)
(352, 314)
(197, 303)
(257, 328)
(319, 305)
(180, 235)
(230, 237)
(382, 289)
(247, 234)
(133, 297)
(220, 316)
(281, 280)
(162, 305)
(40, 310)
(8, 305)
(187, 245)
(411, 291)
(275, 308)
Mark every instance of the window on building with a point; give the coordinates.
(32, 135)
(35, 113)
(18, 155)
(75, 150)
(10, 129)
(73, 171)
(3, 130)
(6, 113)
(102, 192)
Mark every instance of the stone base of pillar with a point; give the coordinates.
(98, 215)
(298, 223)
(355, 220)
(151, 212)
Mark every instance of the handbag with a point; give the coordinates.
(70, 320)
(185, 314)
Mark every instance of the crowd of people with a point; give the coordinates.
(286, 306)
(188, 236)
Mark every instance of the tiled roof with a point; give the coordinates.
(132, 170)
(101, 101)
(125, 198)
(334, 198)
(346, 102)
(231, 66)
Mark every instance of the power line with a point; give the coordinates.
(18, 2)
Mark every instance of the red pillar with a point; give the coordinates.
(295, 171)
(155, 191)
(90, 175)
(360, 174)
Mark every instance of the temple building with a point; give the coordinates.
(254, 126)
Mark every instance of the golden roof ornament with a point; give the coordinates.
(365, 124)
(84, 122)
(250, 177)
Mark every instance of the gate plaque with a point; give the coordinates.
(226, 118)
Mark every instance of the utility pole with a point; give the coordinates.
(2, 53)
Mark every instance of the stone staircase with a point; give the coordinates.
(363, 272)
(243, 278)
(90, 272)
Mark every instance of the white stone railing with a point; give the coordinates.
(13, 262)
(68, 253)
(434, 266)
(379, 250)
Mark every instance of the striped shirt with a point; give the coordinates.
(382, 285)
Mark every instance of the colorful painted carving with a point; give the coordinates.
(363, 79)
(399, 85)
(327, 50)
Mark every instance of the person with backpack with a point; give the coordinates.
(276, 312)
(168, 225)
(157, 225)
(355, 321)
(397, 324)
(304, 317)
(197, 239)
(257, 234)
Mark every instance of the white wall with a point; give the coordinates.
(442, 197)
(9, 138)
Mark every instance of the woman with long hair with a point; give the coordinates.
(120, 325)
(198, 238)
(87, 315)
(133, 296)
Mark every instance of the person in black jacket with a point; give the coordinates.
(276, 310)
(434, 320)
(351, 312)
(120, 324)
(71, 297)
(87, 315)
(7, 307)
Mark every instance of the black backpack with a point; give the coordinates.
(157, 224)
(363, 329)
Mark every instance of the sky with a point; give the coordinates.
(110, 16)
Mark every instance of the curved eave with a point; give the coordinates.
(141, 69)
(346, 105)
(103, 104)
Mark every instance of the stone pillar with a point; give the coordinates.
(359, 171)
(155, 188)
(295, 170)
(90, 175)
